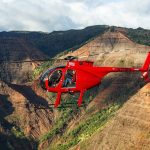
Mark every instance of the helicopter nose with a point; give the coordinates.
(42, 79)
(42, 84)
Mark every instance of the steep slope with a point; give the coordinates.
(112, 48)
(17, 49)
(139, 35)
(129, 129)
(25, 106)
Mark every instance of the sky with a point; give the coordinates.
(50, 15)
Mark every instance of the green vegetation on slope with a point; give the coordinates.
(10, 133)
(139, 35)
(86, 128)
(66, 115)
(40, 69)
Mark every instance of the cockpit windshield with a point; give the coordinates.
(45, 74)
(54, 78)
(48, 75)
(44, 77)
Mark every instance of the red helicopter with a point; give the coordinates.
(79, 76)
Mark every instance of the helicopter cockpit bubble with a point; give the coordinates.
(50, 75)
(44, 77)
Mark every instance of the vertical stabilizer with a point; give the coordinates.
(145, 69)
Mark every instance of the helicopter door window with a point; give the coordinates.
(70, 78)
(54, 78)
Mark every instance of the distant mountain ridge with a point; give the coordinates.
(56, 41)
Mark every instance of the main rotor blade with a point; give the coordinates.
(22, 61)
